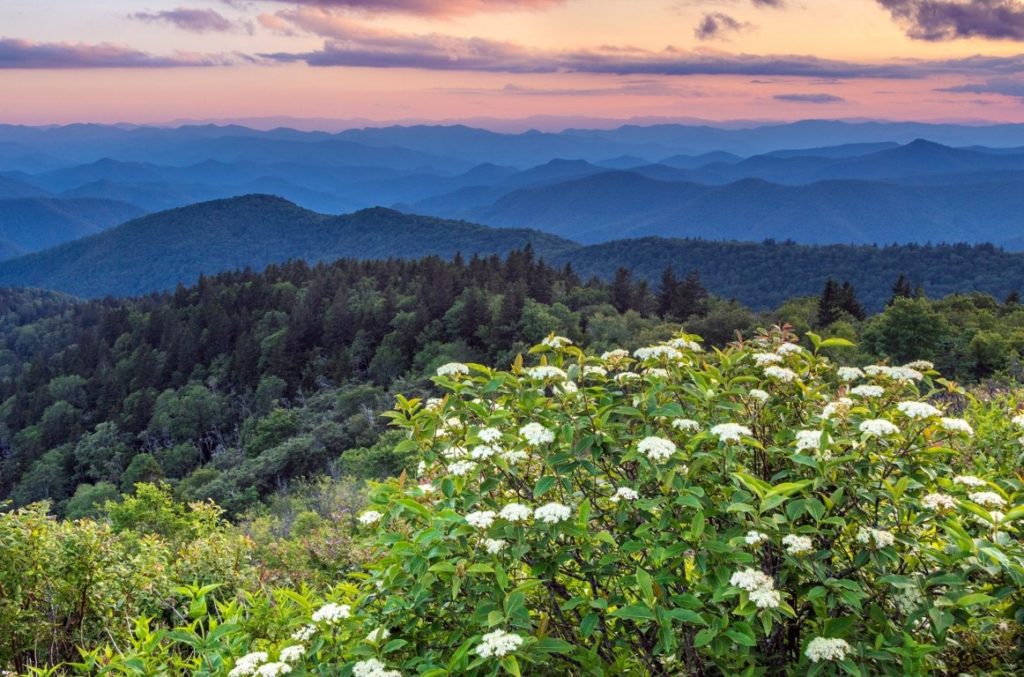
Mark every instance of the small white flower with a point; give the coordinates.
(248, 664)
(755, 537)
(426, 488)
(759, 395)
(867, 391)
(766, 598)
(920, 365)
(480, 519)
(460, 468)
(498, 643)
(905, 374)
(989, 499)
(957, 425)
(878, 427)
(331, 613)
(809, 439)
(878, 538)
(515, 512)
(764, 359)
(686, 425)
(489, 435)
(840, 407)
(1018, 420)
(515, 456)
(918, 409)
(750, 579)
(536, 434)
(626, 376)
(938, 502)
(305, 633)
(377, 635)
(797, 545)
(484, 451)
(730, 432)
(970, 481)
(783, 374)
(545, 372)
(552, 513)
(789, 349)
(494, 545)
(656, 372)
(686, 344)
(827, 649)
(273, 669)
(372, 667)
(624, 494)
(292, 653)
(433, 403)
(657, 352)
(556, 342)
(615, 356)
(370, 517)
(848, 374)
(453, 369)
(656, 448)
(595, 371)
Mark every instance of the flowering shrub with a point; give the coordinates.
(648, 514)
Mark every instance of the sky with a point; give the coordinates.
(149, 61)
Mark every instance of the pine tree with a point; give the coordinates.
(692, 298)
(849, 302)
(902, 289)
(622, 290)
(829, 303)
(668, 290)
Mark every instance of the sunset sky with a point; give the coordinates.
(154, 61)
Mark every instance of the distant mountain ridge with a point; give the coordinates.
(28, 224)
(158, 251)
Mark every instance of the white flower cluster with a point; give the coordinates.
(556, 342)
(901, 374)
(515, 512)
(615, 356)
(498, 643)
(918, 409)
(938, 502)
(731, 432)
(808, 439)
(378, 635)
(827, 649)
(460, 468)
(988, 499)
(878, 427)
(624, 494)
(759, 395)
(248, 664)
(656, 448)
(848, 374)
(755, 537)
(789, 349)
(292, 653)
(484, 451)
(595, 371)
(957, 425)
(920, 365)
(783, 374)
(867, 391)
(840, 407)
(686, 344)
(494, 545)
(331, 613)
(480, 519)
(536, 434)
(878, 538)
(760, 586)
(764, 359)
(545, 372)
(273, 669)
(552, 513)
(970, 481)
(372, 667)
(797, 545)
(305, 633)
(452, 369)
(686, 425)
(489, 435)
(657, 352)
(370, 517)
(1018, 420)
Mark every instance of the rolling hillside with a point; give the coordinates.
(31, 224)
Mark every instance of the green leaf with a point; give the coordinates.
(544, 485)
(697, 526)
(975, 598)
(836, 342)
(704, 637)
(633, 612)
(511, 665)
(553, 645)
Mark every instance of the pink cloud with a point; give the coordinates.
(16, 54)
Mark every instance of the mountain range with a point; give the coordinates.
(159, 251)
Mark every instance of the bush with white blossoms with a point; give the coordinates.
(664, 526)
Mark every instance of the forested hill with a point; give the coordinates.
(156, 252)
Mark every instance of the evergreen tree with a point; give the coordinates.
(902, 289)
(668, 290)
(829, 303)
(622, 290)
(692, 298)
(850, 303)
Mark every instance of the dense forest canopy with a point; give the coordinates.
(234, 386)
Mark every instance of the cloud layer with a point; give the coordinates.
(717, 24)
(436, 8)
(194, 20)
(809, 98)
(65, 55)
(936, 20)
